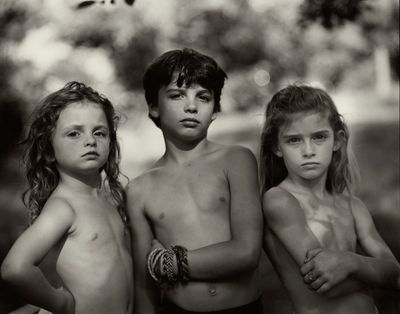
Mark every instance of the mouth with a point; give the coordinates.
(313, 163)
(190, 122)
(91, 154)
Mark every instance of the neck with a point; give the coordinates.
(183, 151)
(315, 186)
(81, 184)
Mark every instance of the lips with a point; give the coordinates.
(190, 123)
(190, 120)
(91, 154)
(310, 163)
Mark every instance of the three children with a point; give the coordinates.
(195, 216)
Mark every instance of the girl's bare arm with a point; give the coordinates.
(20, 267)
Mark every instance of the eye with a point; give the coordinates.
(320, 137)
(293, 140)
(101, 133)
(205, 98)
(73, 134)
(175, 96)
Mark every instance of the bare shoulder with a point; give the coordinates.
(59, 207)
(360, 211)
(237, 152)
(140, 188)
(279, 203)
(236, 156)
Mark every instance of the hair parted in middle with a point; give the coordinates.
(188, 67)
(301, 98)
(39, 159)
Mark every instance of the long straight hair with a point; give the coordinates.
(296, 98)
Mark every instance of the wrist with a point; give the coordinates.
(353, 264)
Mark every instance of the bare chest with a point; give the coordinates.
(191, 196)
(97, 224)
(332, 225)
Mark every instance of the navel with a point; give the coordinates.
(212, 291)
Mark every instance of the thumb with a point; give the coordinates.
(311, 254)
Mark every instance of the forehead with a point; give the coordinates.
(306, 122)
(82, 113)
(192, 84)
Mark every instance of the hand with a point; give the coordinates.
(156, 244)
(323, 269)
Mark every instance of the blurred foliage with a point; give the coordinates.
(85, 4)
(331, 13)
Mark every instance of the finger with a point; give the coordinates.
(306, 268)
(156, 244)
(309, 278)
(311, 254)
(316, 284)
(324, 288)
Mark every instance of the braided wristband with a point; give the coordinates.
(182, 262)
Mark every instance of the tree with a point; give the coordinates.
(378, 21)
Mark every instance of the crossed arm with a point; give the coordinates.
(379, 268)
(241, 253)
(20, 268)
(286, 220)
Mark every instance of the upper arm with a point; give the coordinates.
(285, 218)
(55, 220)
(141, 233)
(367, 235)
(245, 206)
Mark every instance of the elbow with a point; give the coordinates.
(11, 272)
(251, 258)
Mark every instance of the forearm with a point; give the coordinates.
(223, 260)
(376, 272)
(33, 286)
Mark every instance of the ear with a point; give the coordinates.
(277, 152)
(338, 140)
(154, 111)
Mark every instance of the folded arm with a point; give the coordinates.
(285, 218)
(242, 252)
(378, 268)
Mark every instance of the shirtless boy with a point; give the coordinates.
(200, 195)
(314, 223)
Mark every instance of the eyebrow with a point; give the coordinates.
(297, 134)
(80, 126)
(179, 89)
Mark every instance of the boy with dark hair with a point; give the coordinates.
(200, 200)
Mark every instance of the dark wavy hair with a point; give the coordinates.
(191, 67)
(302, 98)
(39, 159)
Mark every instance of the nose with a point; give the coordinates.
(191, 105)
(308, 149)
(90, 140)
